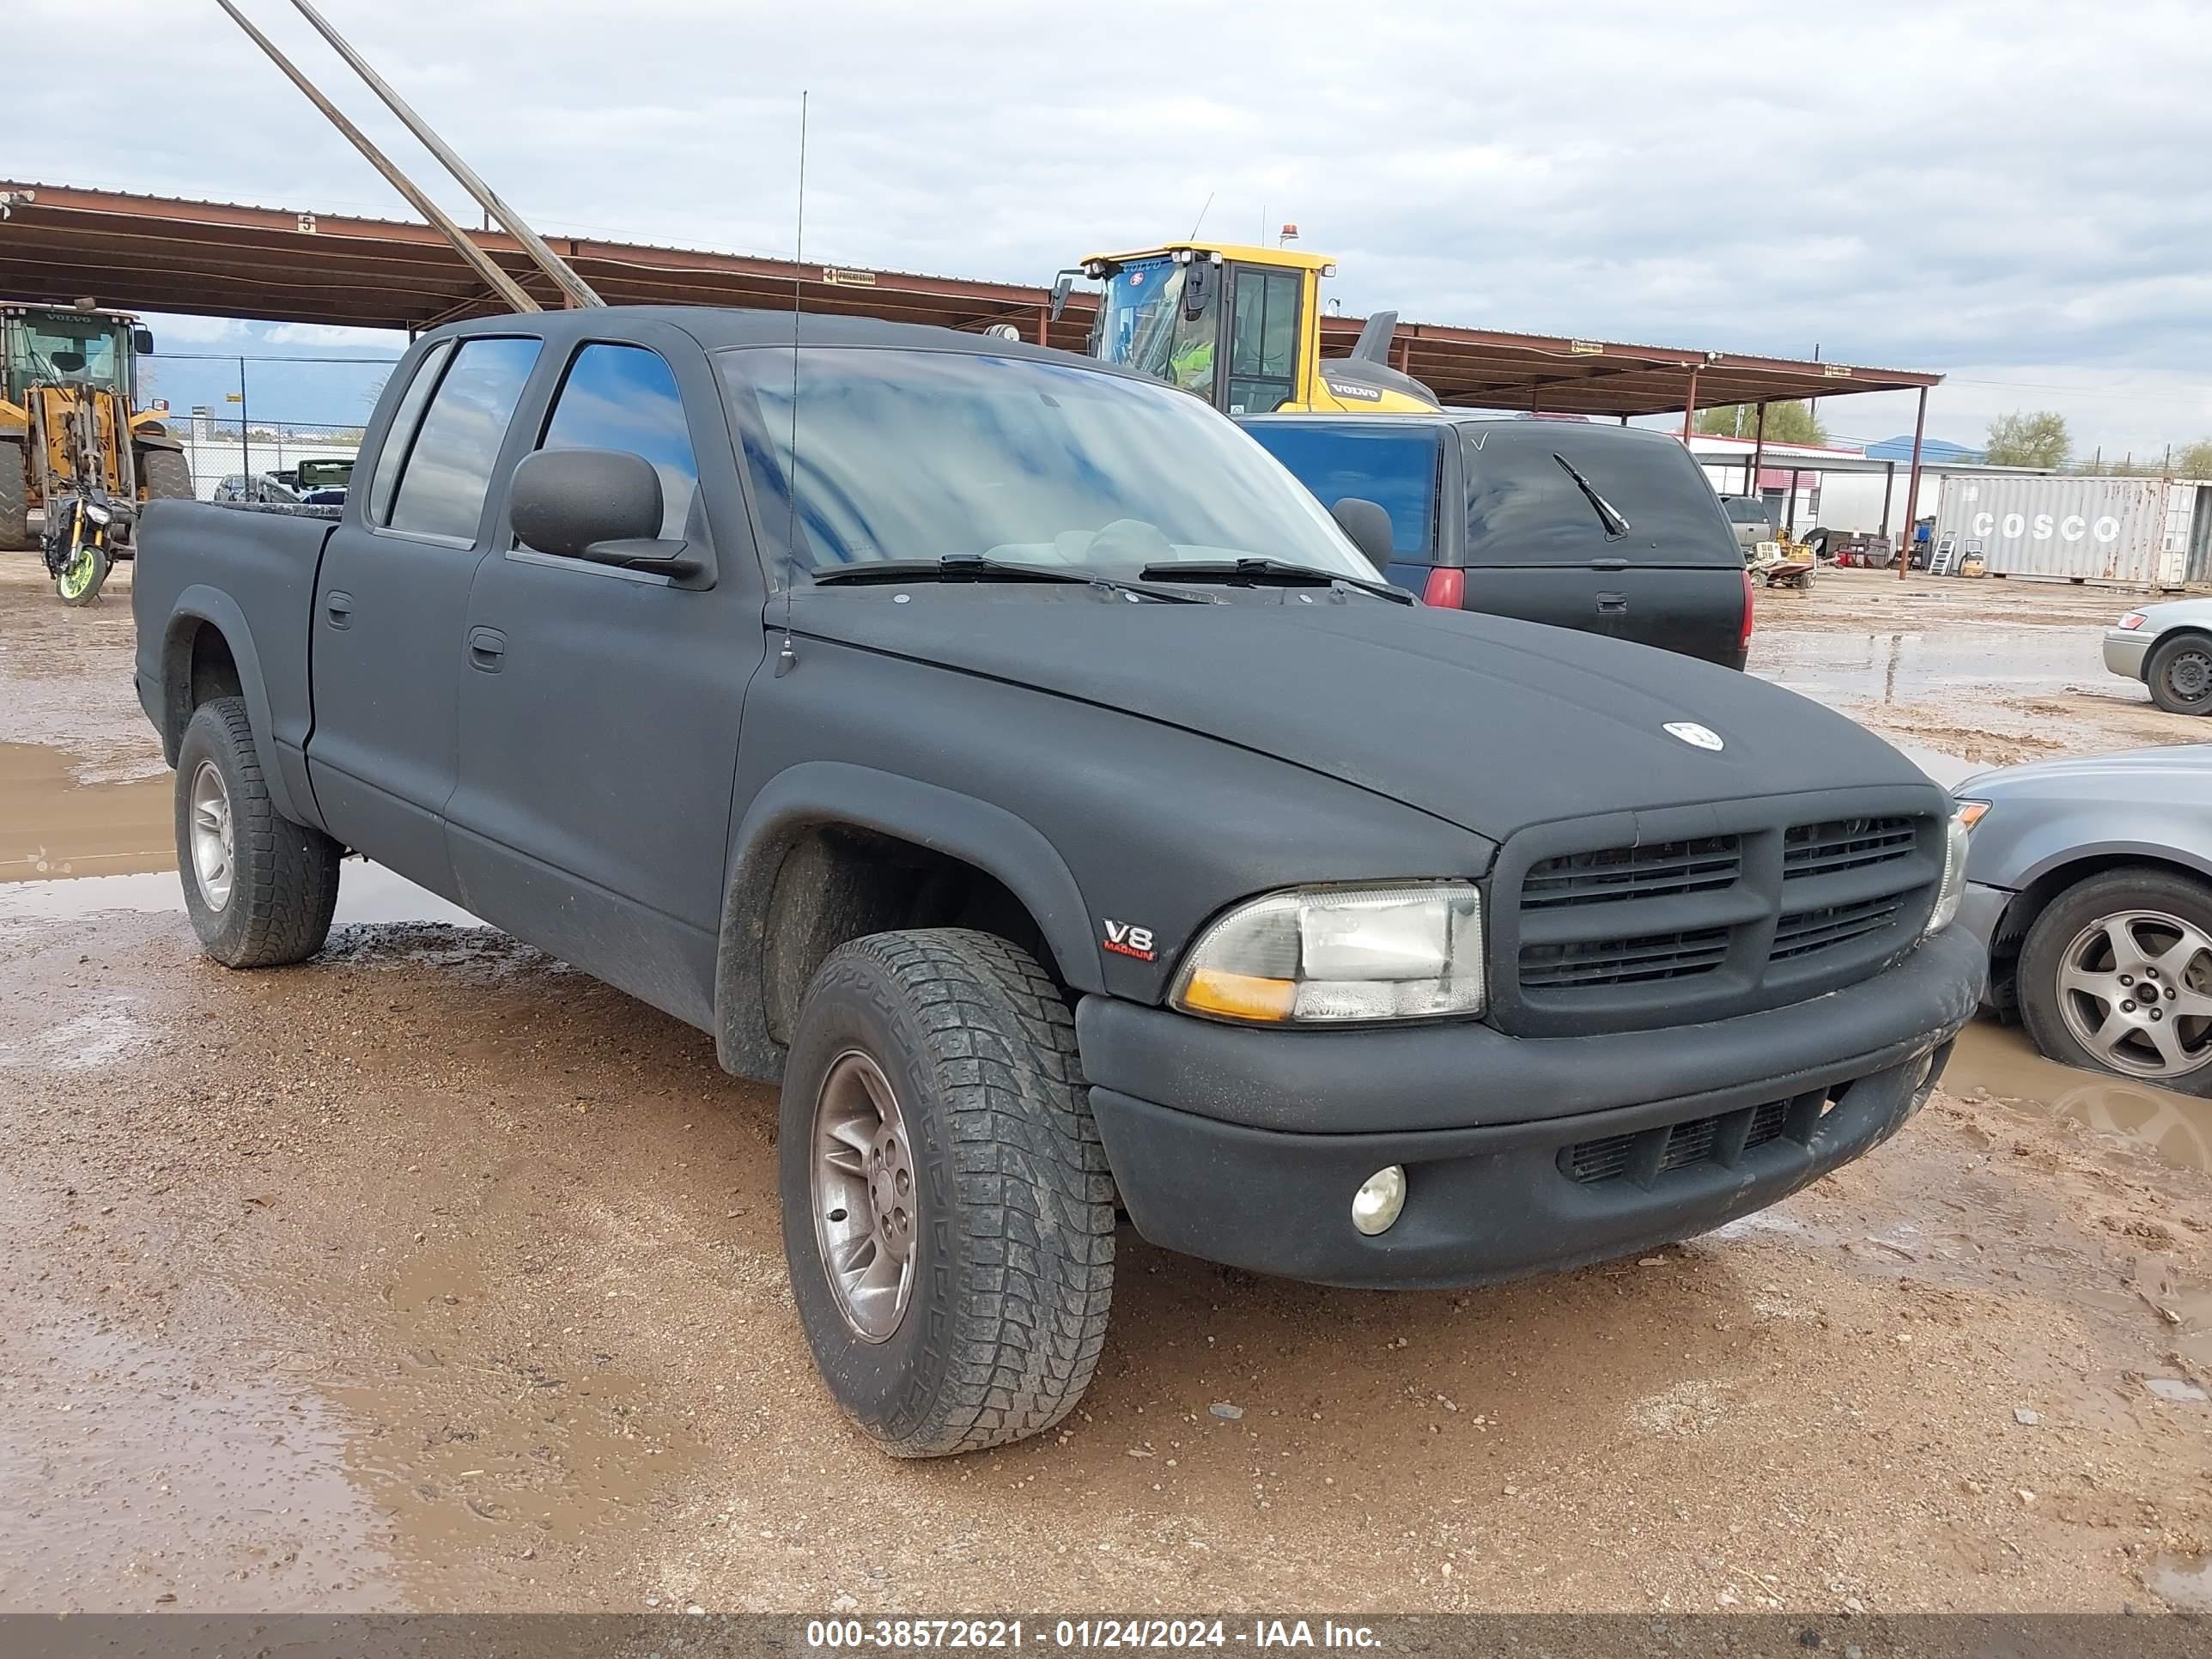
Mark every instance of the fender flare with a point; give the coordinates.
(155, 440)
(197, 605)
(813, 792)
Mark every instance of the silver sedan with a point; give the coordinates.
(2090, 881)
(2169, 648)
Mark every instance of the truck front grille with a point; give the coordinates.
(1771, 906)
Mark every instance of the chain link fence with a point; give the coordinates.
(247, 457)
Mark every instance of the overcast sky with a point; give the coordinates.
(2014, 194)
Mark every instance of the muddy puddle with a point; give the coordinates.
(367, 893)
(56, 824)
(1908, 666)
(1998, 1061)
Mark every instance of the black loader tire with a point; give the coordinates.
(2043, 958)
(1012, 1229)
(2180, 674)
(284, 876)
(165, 474)
(14, 499)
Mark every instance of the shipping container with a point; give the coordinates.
(2145, 532)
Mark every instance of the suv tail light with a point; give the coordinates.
(1743, 639)
(1446, 589)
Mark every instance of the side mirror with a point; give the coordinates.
(1197, 288)
(602, 504)
(142, 342)
(1063, 286)
(1369, 527)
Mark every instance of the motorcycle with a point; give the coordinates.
(87, 525)
(82, 530)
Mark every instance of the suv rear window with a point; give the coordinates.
(1524, 506)
(1394, 467)
(1742, 509)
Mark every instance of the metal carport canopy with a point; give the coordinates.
(213, 258)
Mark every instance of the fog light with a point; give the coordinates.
(1380, 1199)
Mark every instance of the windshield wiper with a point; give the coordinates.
(1615, 526)
(1272, 572)
(975, 568)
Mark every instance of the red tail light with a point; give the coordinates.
(1446, 589)
(1743, 639)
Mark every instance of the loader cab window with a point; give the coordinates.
(1263, 338)
(1141, 325)
(33, 343)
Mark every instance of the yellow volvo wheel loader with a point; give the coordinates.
(70, 424)
(1241, 327)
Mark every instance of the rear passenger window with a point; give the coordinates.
(620, 396)
(448, 470)
(401, 432)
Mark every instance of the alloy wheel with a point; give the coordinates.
(2135, 990)
(866, 1205)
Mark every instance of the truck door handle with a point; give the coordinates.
(487, 649)
(1608, 564)
(338, 607)
(1613, 604)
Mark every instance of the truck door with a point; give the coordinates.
(599, 706)
(389, 603)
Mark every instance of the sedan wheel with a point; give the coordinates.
(2179, 676)
(2117, 975)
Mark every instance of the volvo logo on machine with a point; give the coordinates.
(1697, 736)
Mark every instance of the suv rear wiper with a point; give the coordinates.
(1615, 526)
(975, 568)
(1272, 572)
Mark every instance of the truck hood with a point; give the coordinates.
(1488, 723)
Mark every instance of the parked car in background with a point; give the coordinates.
(1753, 525)
(2169, 648)
(2090, 880)
(1610, 529)
(261, 489)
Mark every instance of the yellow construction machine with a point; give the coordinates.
(1241, 327)
(71, 430)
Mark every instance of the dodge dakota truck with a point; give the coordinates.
(1007, 758)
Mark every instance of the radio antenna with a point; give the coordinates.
(786, 657)
(1201, 220)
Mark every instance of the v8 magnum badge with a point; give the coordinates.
(1127, 939)
(1697, 736)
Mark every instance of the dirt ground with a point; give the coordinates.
(432, 1274)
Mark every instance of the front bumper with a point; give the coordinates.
(1523, 1155)
(2125, 650)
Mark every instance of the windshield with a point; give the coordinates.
(1394, 467)
(38, 339)
(1546, 493)
(922, 454)
(1141, 327)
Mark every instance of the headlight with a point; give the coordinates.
(1953, 887)
(96, 513)
(2132, 621)
(1318, 955)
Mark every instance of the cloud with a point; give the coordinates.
(1945, 183)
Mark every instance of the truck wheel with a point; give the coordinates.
(14, 499)
(2116, 975)
(259, 888)
(948, 1216)
(2179, 675)
(165, 474)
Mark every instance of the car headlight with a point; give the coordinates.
(1953, 888)
(1324, 955)
(2132, 621)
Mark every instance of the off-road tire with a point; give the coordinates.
(165, 474)
(14, 499)
(2061, 921)
(1014, 1231)
(284, 881)
(2168, 657)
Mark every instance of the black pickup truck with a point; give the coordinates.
(1606, 529)
(1004, 755)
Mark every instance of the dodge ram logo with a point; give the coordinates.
(1697, 736)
